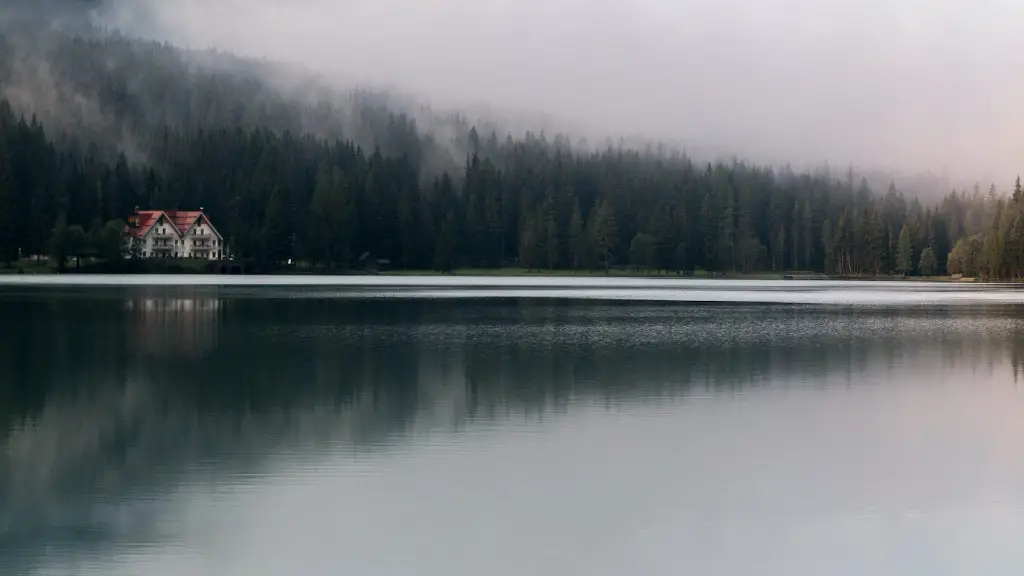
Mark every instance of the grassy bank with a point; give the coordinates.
(28, 266)
(90, 266)
(202, 267)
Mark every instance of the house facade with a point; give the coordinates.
(174, 234)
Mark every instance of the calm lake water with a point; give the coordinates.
(454, 426)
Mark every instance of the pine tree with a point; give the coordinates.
(779, 252)
(604, 235)
(892, 247)
(323, 215)
(407, 224)
(828, 245)
(807, 220)
(927, 265)
(708, 235)
(446, 247)
(276, 240)
(530, 249)
(576, 237)
(668, 229)
(905, 256)
(552, 246)
(59, 248)
(8, 210)
(725, 245)
(642, 251)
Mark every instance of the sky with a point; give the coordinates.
(913, 85)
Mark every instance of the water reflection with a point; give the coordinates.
(174, 326)
(115, 401)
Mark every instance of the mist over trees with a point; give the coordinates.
(93, 124)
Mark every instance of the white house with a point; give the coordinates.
(174, 234)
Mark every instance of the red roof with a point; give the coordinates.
(181, 219)
(146, 220)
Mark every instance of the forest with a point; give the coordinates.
(327, 179)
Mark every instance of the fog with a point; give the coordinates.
(910, 84)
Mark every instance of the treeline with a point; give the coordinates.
(325, 178)
(527, 203)
(998, 251)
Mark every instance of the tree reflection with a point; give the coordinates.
(118, 397)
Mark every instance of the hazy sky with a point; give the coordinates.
(918, 84)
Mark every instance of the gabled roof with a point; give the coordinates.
(182, 220)
(191, 219)
(147, 218)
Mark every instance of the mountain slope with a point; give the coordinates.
(122, 92)
(291, 168)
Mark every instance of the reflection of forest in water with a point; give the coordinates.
(129, 391)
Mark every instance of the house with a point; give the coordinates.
(174, 234)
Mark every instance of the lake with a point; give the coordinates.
(457, 426)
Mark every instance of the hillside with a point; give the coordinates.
(291, 167)
(121, 93)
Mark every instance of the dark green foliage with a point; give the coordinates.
(642, 251)
(966, 256)
(108, 243)
(928, 263)
(327, 202)
(329, 182)
(69, 242)
(59, 243)
(905, 257)
(577, 246)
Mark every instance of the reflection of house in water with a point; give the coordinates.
(166, 326)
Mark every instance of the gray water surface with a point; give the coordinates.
(509, 426)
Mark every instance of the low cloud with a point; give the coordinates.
(892, 83)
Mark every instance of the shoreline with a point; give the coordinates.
(200, 268)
